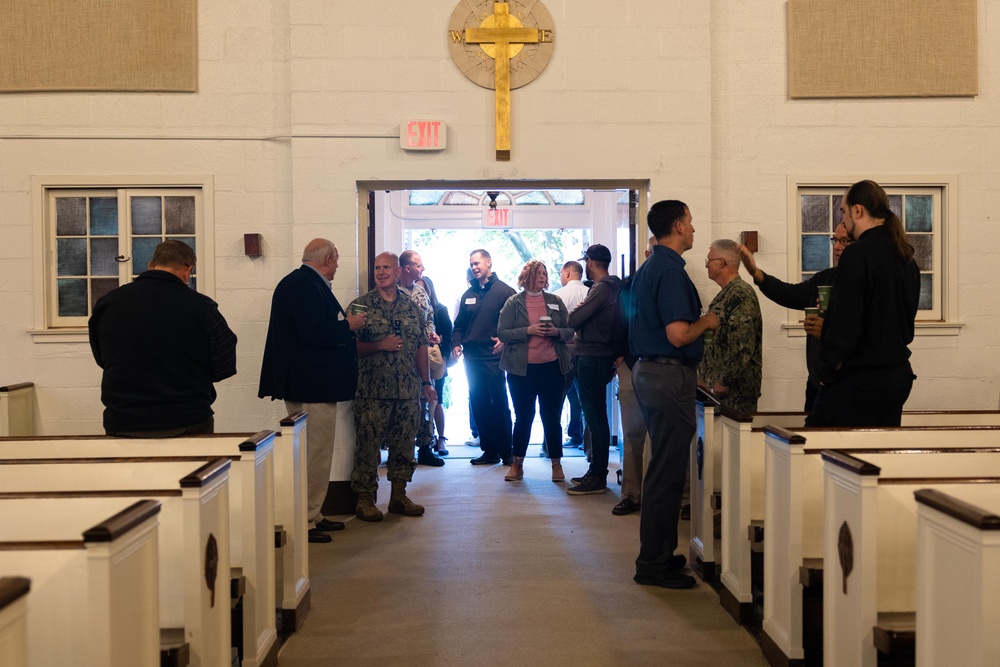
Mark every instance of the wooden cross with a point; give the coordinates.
(506, 35)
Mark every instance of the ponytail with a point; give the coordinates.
(873, 198)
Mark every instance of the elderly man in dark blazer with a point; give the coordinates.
(310, 361)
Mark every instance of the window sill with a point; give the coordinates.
(795, 330)
(59, 335)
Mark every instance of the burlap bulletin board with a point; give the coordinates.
(882, 48)
(132, 45)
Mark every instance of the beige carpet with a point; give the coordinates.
(503, 573)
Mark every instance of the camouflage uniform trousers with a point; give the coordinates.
(393, 421)
(425, 433)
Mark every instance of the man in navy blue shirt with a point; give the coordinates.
(665, 333)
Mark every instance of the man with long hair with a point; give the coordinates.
(865, 374)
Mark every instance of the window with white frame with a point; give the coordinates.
(98, 238)
(926, 210)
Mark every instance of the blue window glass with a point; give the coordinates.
(920, 213)
(71, 216)
(142, 252)
(104, 216)
(147, 215)
(574, 197)
(815, 253)
(71, 257)
(72, 297)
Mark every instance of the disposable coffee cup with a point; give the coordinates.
(545, 321)
(812, 311)
(708, 336)
(824, 296)
(358, 308)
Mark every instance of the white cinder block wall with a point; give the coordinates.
(689, 95)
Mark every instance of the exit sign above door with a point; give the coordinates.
(423, 135)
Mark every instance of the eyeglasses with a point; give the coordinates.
(846, 241)
(714, 259)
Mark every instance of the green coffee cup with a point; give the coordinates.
(708, 336)
(812, 311)
(824, 296)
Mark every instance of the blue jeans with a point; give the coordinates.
(593, 375)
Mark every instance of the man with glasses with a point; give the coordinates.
(731, 369)
(799, 296)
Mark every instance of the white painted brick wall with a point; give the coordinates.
(690, 95)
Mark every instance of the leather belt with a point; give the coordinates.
(673, 361)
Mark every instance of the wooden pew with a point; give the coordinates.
(793, 510)
(958, 576)
(93, 565)
(742, 445)
(290, 508)
(17, 409)
(705, 485)
(870, 539)
(251, 507)
(13, 624)
(193, 534)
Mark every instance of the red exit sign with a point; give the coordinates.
(423, 135)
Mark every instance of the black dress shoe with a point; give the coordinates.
(677, 562)
(626, 506)
(318, 536)
(328, 526)
(485, 460)
(665, 580)
(426, 457)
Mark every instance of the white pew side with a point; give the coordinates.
(93, 566)
(742, 444)
(703, 467)
(251, 505)
(870, 538)
(958, 576)
(194, 513)
(13, 621)
(290, 507)
(794, 509)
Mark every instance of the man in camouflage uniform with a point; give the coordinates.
(731, 369)
(411, 269)
(393, 376)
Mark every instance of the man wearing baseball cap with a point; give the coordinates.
(595, 355)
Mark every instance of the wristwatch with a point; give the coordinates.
(426, 383)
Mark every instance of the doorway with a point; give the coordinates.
(551, 221)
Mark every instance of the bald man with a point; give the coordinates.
(310, 361)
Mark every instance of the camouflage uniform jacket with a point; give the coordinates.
(419, 296)
(391, 375)
(734, 358)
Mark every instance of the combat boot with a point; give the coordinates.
(366, 510)
(400, 504)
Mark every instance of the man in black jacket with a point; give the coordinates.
(475, 337)
(864, 368)
(799, 296)
(310, 361)
(161, 346)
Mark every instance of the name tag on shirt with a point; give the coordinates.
(553, 306)
(471, 301)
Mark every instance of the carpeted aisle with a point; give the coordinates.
(503, 573)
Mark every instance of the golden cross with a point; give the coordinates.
(502, 37)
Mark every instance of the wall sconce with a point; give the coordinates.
(252, 245)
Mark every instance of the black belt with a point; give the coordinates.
(673, 361)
